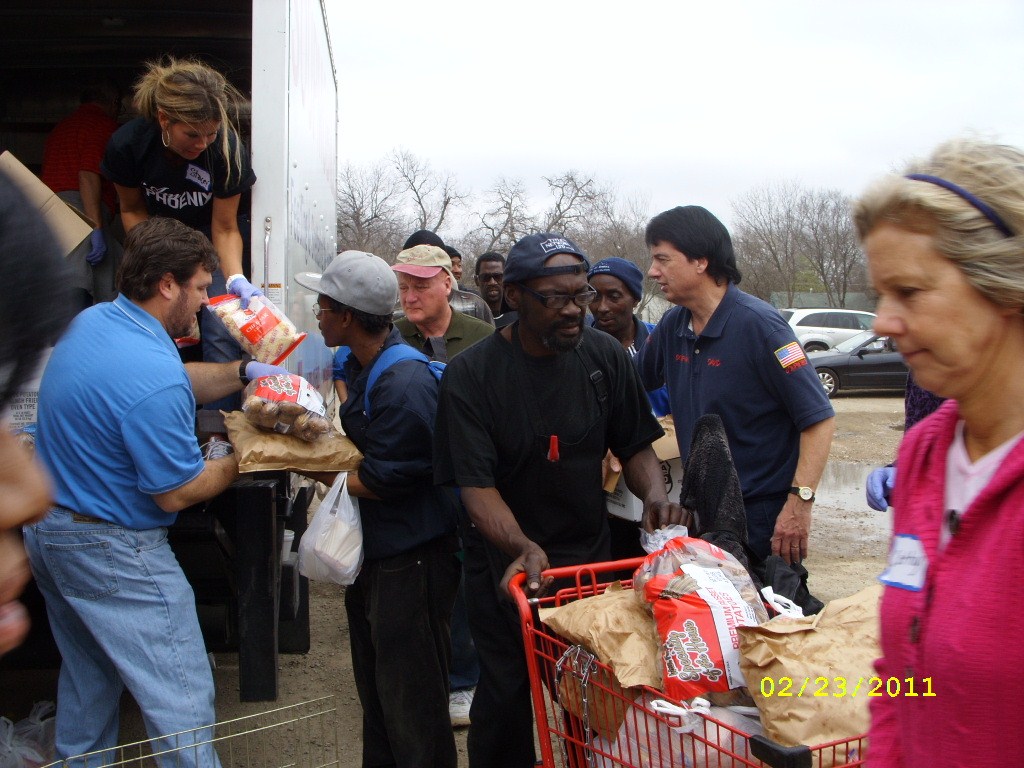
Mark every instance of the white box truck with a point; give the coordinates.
(279, 53)
(294, 153)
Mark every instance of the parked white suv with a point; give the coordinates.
(821, 329)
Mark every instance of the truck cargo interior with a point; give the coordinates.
(50, 48)
(277, 53)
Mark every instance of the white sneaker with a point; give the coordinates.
(459, 703)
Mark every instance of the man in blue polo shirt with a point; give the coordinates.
(116, 430)
(723, 351)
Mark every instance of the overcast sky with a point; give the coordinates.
(682, 102)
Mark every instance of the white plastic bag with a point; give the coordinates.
(37, 730)
(647, 741)
(331, 549)
(15, 753)
(652, 542)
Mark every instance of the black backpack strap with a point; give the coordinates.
(596, 376)
(438, 348)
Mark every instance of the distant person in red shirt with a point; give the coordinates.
(71, 168)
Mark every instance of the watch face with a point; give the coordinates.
(806, 493)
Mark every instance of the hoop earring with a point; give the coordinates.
(165, 138)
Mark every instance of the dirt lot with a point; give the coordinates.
(848, 546)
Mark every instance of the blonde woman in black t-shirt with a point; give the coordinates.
(183, 158)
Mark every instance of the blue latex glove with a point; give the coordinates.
(238, 285)
(879, 487)
(255, 370)
(98, 249)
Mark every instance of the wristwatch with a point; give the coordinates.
(802, 491)
(246, 359)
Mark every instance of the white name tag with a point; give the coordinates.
(908, 564)
(199, 176)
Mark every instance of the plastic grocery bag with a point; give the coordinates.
(37, 730)
(331, 549)
(659, 734)
(15, 753)
(652, 542)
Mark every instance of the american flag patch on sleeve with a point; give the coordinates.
(791, 356)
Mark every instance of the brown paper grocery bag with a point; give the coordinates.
(620, 632)
(840, 642)
(259, 450)
(607, 702)
(616, 628)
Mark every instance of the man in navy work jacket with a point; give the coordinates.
(720, 350)
(619, 286)
(399, 608)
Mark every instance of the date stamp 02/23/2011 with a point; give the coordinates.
(841, 687)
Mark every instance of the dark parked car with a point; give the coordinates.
(864, 361)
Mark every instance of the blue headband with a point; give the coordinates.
(983, 208)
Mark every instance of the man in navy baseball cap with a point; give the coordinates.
(525, 418)
(528, 258)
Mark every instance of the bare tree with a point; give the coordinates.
(369, 210)
(788, 239)
(508, 217)
(618, 230)
(792, 239)
(832, 249)
(576, 200)
(760, 278)
(432, 195)
(769, 228)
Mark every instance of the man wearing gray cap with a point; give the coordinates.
(527, 456)
(400, 605)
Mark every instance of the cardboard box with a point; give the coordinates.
(21, 409)
(70, 227)
(621, 503)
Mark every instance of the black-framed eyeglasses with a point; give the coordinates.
(561, 300)
(491, 278)
(318, 310)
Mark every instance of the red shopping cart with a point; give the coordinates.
(585, 718)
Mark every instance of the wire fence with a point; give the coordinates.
(303, 735)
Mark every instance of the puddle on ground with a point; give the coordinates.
(842, 485)
(841, 507)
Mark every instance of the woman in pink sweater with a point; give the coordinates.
(945, 249)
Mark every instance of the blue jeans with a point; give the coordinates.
(123, 615)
